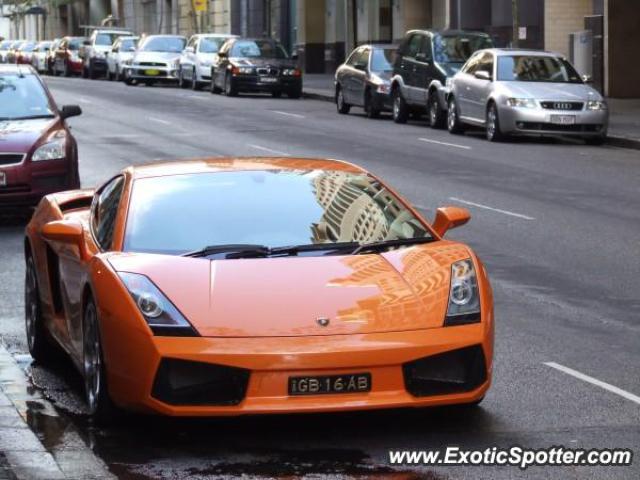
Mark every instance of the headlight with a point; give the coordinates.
(522, 102)
(98, 55)
(158, 311)
(596, 105)
(54, 149)
(464, 298)
(291, 72)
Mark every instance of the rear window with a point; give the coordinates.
(23, 97)
(258, 49)
(263, 207)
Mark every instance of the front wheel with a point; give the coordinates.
(95, 379)
(342, 106)
(437, 116)
(494, 134)
(230, 89)
(195, 84)
(454, 125)
(369, 108)
(39, 345)
(400, 107)
(294, 93)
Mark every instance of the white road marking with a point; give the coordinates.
(594, 381)
(159, 120)
(486, 207)
(269, 150)
(288, 114)
(428, 140)
(85, 100)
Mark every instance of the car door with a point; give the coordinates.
(348, 76)
(359, 77)
(480, 88)
(409, 67)
(423, 70)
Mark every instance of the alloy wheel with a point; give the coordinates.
(31, 304)
(92, 358)
(491, 123)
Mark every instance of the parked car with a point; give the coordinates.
(122, 50)
(4, 50)
(426, 58)
(38, 155)
(157, 59)
(67, 57)
(12, 53)
(169, 313)
(525, 92)
(255, 65)
(364, 80)
(96, 48)
(198, 58)
(39, 57)
(51, 56)
(24, 53)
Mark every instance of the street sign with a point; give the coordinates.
(199, 5)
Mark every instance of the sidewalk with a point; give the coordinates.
(624, 123)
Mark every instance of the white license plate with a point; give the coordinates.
(268, 79)
(563, 119)
(3, 179)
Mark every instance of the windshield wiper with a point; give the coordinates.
(241, 249)
(386, 244)
(29, 117)
(314, 247)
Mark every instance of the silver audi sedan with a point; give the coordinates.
(525, 92)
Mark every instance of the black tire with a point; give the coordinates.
(195, 84)
(295, 93)
(369, 109)
(182, 83)
(116, 76)
(276, 94)
(343, 107)
(92, 72)
(454, 125)
(67, 70)
(492, 124)
(85, 72)
(99, 403)
(230, 89)
(40, 347)
(400, 107)
(213, 88)
(595, 141)
(437, 116)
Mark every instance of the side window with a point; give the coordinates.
(192, 43)
(353, 58)
(472, 64)
(426, 49)
(413, 47)
(486, 64)
(105, 210)
(363, 58)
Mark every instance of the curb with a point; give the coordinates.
(23, 456)
(614, 141)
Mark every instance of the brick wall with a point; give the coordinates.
(561, 17)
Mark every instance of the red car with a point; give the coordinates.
(38, 154)
(67, 59)
(25, 52)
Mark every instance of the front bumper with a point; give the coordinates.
(154, 73)
(29, 181)
(99, 64)
(537, 121)
(255, 83)
(271, 361)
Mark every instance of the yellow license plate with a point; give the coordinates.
(152, 73)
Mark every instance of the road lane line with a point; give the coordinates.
(498, 210)
(428, 140)
(295, 115)
(270, 150)
(159, 120)
(594, 381)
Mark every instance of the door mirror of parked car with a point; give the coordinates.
(482, 75)
(359, 66)
(450, 217)
(87, 43)
(67, 232)
(189, 50)
(222, 54)
(69, 111)
(587, 79)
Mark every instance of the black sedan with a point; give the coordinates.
(255, 65)
(364, 80)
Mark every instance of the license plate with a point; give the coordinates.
(152, 73)
(3, 179)
(268, 79)
(563, 119)
(326, 384)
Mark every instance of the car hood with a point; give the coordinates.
(263, 62)
(404, 290)
(550, 91)
(156, 56)
(20, 136)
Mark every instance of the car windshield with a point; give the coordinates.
(258, 49)
(382, 59)
(536, 68)
(163, 44)
(458, 48)
(127, 44)
(27, 47)
(22, 96)
(5, 45)
(74, 44)
(210, 44)
(107, 39)
(271, 208)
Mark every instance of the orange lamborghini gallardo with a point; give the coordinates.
(250, 286)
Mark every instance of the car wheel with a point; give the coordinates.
(276, 94)
(39, 345)
(454, 125)
(214, 86)
(437, 117)
(116, 76)
(342, 106)
(596, 141)
(230, 89)
(92, 72)
(400, 107)
(294, 93)
(85, 72)
(127, 78)
(95, 379)
(182, 83)
(369, 109)
(67, 70)
(195, 84)
(494, 134)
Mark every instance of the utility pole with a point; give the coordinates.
(516, 24)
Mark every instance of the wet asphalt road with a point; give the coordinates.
(556, 222)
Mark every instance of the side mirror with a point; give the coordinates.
(587, 78)
(67, 232)
(70, 111)
(482, 75)
(87, 43)
(359, 66)
(450, 217)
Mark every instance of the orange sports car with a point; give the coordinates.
(258, 285)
